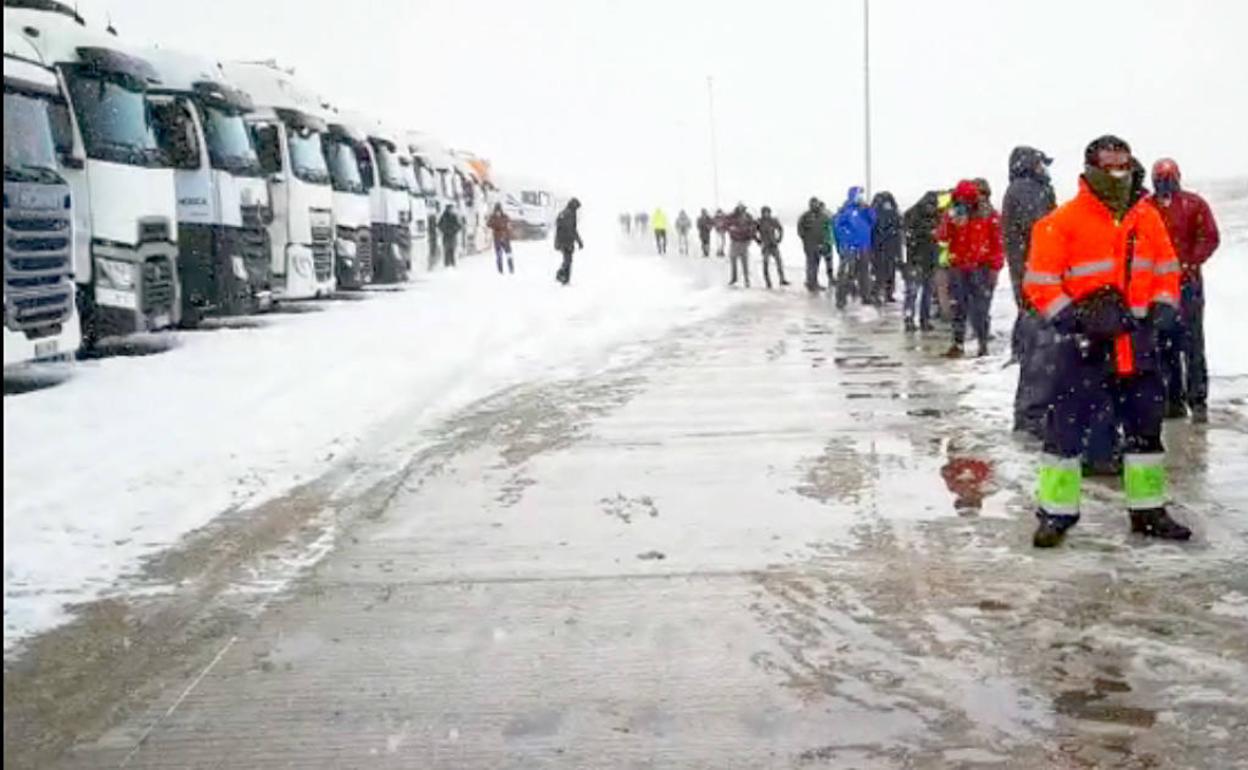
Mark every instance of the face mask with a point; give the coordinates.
(1166, 186)
(1112, 187)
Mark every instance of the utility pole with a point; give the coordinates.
(710, 100)
(866, 89)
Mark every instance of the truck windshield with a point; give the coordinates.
(307, 160)
(388, 166)
(29, 152)
(344, 171)
(230, 146)
(115, 121)
(424, 178)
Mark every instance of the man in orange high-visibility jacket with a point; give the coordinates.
(1101, 270)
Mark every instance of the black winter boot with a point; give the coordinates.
(1200, 414)
(1155, 522)
(1051, 529)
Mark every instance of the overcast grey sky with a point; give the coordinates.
(609, 99)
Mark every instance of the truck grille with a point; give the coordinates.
(158, 289)
(254, 239)
(38, 274)
(322, 251)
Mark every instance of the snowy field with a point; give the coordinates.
(130, 454)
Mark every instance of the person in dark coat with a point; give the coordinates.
(770, 234)
(683, 225)
(922, 255)
(812, 228)
(742, 231)
(886, 246)
(1029, 197)
(567, 239)
(706, 223)
(450, 225)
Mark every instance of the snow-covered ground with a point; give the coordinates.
(130, 454)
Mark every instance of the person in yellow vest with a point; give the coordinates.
(659, 222)
(940, 278)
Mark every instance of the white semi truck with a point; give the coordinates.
(389, 201)
(347, 155)
(287, 127)
(125, 247)
(40, 320)
(223, 198)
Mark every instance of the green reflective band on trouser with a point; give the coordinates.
(1144, 478)
(1061, 483)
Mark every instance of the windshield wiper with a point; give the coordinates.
(31, 172)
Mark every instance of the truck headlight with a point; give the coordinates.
(345, 249)
(113, 274)
(303, 265)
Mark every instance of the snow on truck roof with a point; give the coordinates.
(24, 66)
(66, 39)
(182, 72)
(273, 88)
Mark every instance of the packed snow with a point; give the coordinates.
(130, 454)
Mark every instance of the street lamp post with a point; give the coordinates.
(866, 89)
(710, 101)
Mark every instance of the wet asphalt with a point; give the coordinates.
(785, 537)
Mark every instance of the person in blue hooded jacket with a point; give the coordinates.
(853, 225)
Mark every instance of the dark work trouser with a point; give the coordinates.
(918, 299)
(1086, 389)
(770, 252)
(503, 249)
(854, 275)
(564, 275)
(682, 241)
(972, 294)
(448, 250)
(1184, 367)
(705, 239)
(660, 241)
(884, 272)
(739, 251)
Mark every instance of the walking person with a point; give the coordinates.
(567, 239)
(450, 226)
(1103, 273)
(721, 231)
(770, 233)
(431, 225)
(1194, 234)
(812, 229)
(742, 230)
(660, 230)
(853, 226)
(683, 225)
(500, 226)
(920, 222)
(973, 231)
(886, 247)
(626, 224)
(706, 223)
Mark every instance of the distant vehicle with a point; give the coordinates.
(531, 205)
(125, 247)
(223, 199)
(40, 318)
(287, 127)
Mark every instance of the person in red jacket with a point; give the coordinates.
(972, 228)
(1194, 233)
(1102, 272)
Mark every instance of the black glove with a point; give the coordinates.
(1163, 317)
(1067, 321)
(1103, 315)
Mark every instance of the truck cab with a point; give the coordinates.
(125, 236)
(40, 318)
(418, 212)
(223, 199)
(347, 155)
(287, 128)
(427, 189)
(529, 205)
(388, 201)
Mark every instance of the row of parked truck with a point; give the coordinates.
(151, 188)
